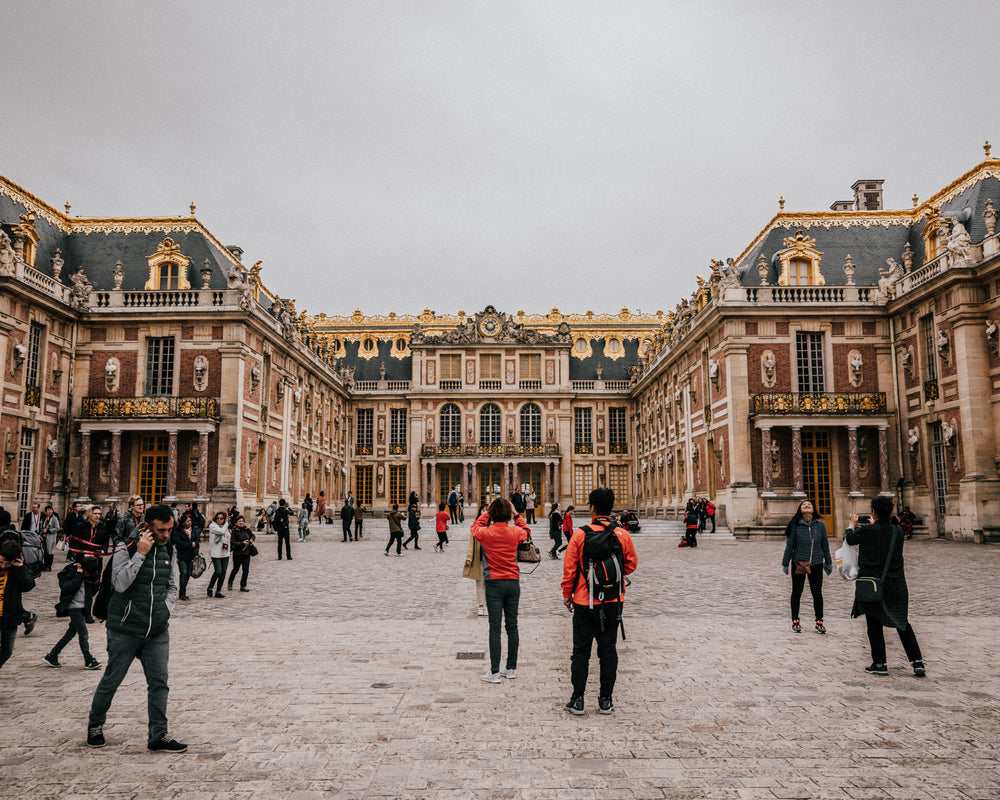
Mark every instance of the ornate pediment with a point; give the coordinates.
(491, 326)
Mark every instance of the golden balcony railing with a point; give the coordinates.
(618, 448)
(931, 391)
(150, 407)
(477, 449)
(33, 396)
(820, 403)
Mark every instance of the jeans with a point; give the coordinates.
(286, 537)
(359, 524)
(453, 512)
(502, 597)
(220, 565)
(184, 573)
(240, 563)
(7, 638)
(530, 516)
(346, 525)
(587, 628)
(414, 537)
(876, 640)
(397, 537)
(153, 653)
(77, 627)
(815, 587)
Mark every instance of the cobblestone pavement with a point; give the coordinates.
(337, 676)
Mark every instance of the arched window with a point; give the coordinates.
(531, 424)
(489, 424)
(451, 426)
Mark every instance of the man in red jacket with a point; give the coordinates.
(588, 622)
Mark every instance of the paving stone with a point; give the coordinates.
(337, 676)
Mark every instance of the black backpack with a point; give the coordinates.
(103, 597)
(32, 550)
(602, 564)
(281, 519)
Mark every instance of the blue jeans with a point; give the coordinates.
(184, 574)
(220, 565)
(502, 597)
(154, 653)
(77, 627)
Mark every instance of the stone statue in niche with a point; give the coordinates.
(990, 218)
(112, 370)
(713, 373)
(855, 365)
(254, 378)
(600, 428)
(959, 244)
(906, 360)
(768, 365)
(912, 440)
(887, 283)
(948, 433)
(992, 337)
(510, 429)
(381, 429)
(380, 483)
(552, 429)
(430, 429)
(775, 458)
(200, 373)
(943, 345)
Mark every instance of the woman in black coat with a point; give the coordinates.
(807, 542)
(876, 545)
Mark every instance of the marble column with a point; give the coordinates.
(765, 461)
(852, 456)
(115, 470)
(546, 483)
(883, 460)
(797, 462)
(465, 481)
(202, 467)
(473, 497)
(434, 486)
(556, 487)
(171, 496)
(84, 467)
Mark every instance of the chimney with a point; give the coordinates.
(236, 250)
(843, 205)
(868, 194)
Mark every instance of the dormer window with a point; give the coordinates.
(800, 262)
(168, 269)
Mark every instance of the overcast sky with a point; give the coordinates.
(400, 155)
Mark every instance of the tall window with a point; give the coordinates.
(451, 372)
(153, 454)
(159, 366)
(397, 484)
(451, 426)
(397, 431)
(363, 485)
(798, 272)
(582, 431)
(25, 462)
(33, 390)
(617, 430)
(531, 424)
(489, 371)
(169, 277)
(618, 482)
(809, 357)
(583, 483)
(489, 425)
(930, 348)
(531, 371)
(365, 443)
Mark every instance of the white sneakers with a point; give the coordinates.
(492, 677)
(508, 673)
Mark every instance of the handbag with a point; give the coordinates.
(868, 589)
(253, 550)
(198, 566)
(528, 552)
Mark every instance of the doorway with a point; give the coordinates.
(530, 477)
(490, 482)
(449, 477)
(153, 468)
(816, 478)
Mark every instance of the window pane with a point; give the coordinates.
(489, 424)
(159, 366)
(531, 424)
(531, 367)
(489, 367)
(451, 426)
(451, 368)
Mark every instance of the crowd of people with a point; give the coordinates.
(155, 552)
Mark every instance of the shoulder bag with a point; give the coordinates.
(868, 589)
(805, 567)
(198, 566)
(528, 552)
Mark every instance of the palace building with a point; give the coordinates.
(843, 354)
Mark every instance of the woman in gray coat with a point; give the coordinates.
(879, 542)
(807, 542)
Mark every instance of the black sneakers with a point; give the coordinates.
(29, 626)
(604, 705)
(796, 626)
(92, 664)
(166, 745)
(95, 736)
(51, 660)
(820, 628)
(877, 669)
(575, 706)
(918, 669)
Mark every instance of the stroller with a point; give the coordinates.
(629, 520)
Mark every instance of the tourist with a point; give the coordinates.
(359, 521)
(441, 520)
(395, 530)
(218, 551)
(241, 541)
(76, 582)
(303, 522)
(280, 524)
(186, 545)
(16, 579)
(50, 534)
(346, 518)
(413, 521)
(555, 530)
(807, 551)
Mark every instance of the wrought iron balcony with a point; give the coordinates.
(364, 449)
(618, 448)
(820, 403)
(583, 448)
(931, 391)
(150, 407)
(32, 396)
(477, 449)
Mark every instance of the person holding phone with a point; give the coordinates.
(218, 550)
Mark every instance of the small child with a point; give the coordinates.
(441, 520)
(75, 582)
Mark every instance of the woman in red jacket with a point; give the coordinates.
(499, 538)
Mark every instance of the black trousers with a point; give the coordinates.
(346, 525)
(414, 537)
(815, 587)
(286, 537)
(397, 537)
(453, 511)
(876, 640)
(240, 563)
(587, 629)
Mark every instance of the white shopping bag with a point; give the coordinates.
(847, 561)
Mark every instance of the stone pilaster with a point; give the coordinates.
(883, 460)
(765, 455)
(171, 496)
(115, 469)
(853, 461)
(797, 462)
(84, 496)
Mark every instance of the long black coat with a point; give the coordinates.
(873, 548)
